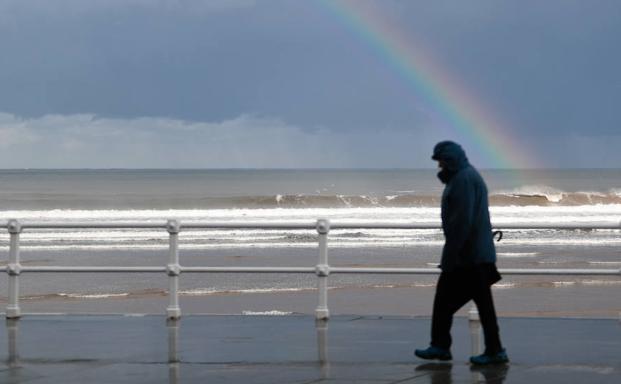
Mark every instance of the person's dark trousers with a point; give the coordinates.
(453, 291)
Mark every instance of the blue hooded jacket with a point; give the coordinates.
(465, 211)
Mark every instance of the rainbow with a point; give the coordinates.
(464, 117)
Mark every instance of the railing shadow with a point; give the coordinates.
(321, 325)
(12, 327)
(174, 364)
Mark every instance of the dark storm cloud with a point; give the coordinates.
(549, 68)
(277, 59)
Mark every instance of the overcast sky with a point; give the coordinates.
(281, 83)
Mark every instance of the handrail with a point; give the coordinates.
(298, 225)
(322, 270)
(346, 270)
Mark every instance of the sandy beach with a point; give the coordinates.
(580, 301)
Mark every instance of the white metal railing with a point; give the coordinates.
(322, 270)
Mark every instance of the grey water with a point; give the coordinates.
(195, 189)
(392, 195)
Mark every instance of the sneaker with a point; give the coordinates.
(433, 353)
(485, 359)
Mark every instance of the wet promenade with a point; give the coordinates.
(295, 349)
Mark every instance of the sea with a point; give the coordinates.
(551, 196)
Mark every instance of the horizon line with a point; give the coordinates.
(286, 168)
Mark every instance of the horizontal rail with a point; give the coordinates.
(78, 269)
(88, 269)
(332, 270)
(248, 269)
(428, 271)
(83, 225)
(250, 225)
(386, 271)
(515, 271)
(303, 225)
(566, 226)
(586, 226)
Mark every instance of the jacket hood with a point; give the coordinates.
(451, 154)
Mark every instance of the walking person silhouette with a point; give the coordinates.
(468, 258)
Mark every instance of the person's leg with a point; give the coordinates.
(450, 297)
(487, 313)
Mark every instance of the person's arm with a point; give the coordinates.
(458, 218)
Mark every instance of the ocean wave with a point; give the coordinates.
(525, 196)
(215, 291)
(58, 239)
(591, 242)
(605, 262)
(267, 313)
(352, 235)
(149, 292)
(541, 195)
(394, 215)
(601, 282)
(504, 285)
(558, 284)
(93, 295)
(517, 254)
(563, 283)
(364, 238)
(300, 237)
(78, 295)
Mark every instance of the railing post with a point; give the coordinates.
(13, 268)
(173, 270)
(323, 270)
(475, 329)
